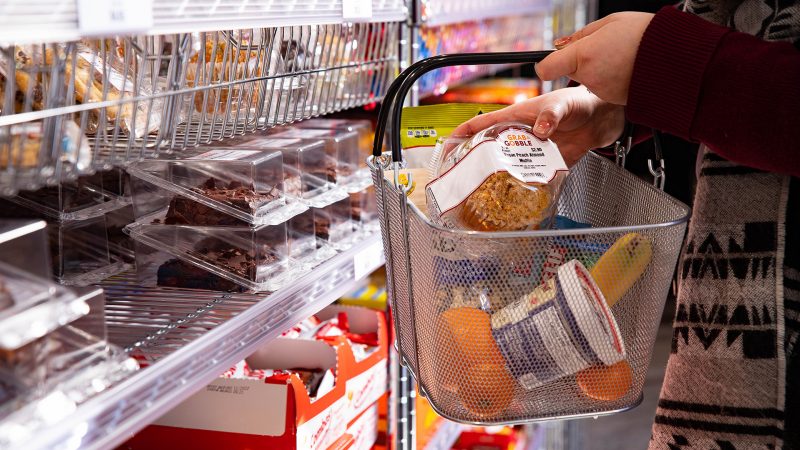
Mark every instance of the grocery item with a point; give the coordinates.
(561, 328)
(621, 265)
(606, 383)
(22, 147)
(470, 362)
(501, 179)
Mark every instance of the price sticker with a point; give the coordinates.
(357, 10)
(96, 17)
(367, 260)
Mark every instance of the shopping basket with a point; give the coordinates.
(476, 354)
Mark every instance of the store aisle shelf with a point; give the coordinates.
(187, 338)
(445, 12)
(33, 21)
(445, 437)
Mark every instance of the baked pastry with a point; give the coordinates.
(178, 274)
(503, 204)
(184, 211)
(227, 65)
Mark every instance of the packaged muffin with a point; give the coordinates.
(501, 179)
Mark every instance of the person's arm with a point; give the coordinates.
(736, 93)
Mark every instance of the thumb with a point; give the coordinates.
(547, 121)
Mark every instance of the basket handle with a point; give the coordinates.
(392, 107)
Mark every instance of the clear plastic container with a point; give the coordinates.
(24, 244)
(309, 172)
(79, 252)
(254, 257)
(334, 225)
(305, 250)
(31, 307)
(83, 198)
(364, 209)
(157, 268)
(218, 187)
(120, 244)
(364, 128)
(342, 145)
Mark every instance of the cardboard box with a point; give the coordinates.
(243, 411)
(361, 434)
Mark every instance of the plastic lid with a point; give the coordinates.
(31, 307)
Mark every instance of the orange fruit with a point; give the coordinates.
(469, 362)
(606, 382)
(487, 389)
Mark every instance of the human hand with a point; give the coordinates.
(600, 56)
(574, 118)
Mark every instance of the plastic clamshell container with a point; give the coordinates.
(334, 225)
(81, 199)
(253, 257)
(365, 131)
(31, 307)
(23, 244)
(304, 247)
(309, 172)
(364, 209)
(342, 145)
(218, 186)
(79, 252)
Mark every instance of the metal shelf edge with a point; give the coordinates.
(72, 432)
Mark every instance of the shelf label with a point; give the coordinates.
(114, 16)
(357, 10)
(367, 260)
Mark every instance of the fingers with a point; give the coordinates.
(591, 28)
(547, 121)
(560, 63)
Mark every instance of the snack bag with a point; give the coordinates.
(501, 179)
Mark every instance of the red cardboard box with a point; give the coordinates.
(240, 411)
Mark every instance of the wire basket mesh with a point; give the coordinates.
(489, 344)
(74, 107)
(514, 327)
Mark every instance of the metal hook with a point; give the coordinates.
(659, 175)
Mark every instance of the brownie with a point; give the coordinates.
(176, 273)
(233, 259)
(355, 205)
(183, 211)
(303, 224)
(322, 225)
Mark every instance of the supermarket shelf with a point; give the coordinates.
(32, 21)
(445, 12)
(445, 437)
(186, 338)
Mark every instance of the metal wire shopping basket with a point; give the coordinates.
(488, 335)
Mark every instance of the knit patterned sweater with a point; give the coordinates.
(733, 377)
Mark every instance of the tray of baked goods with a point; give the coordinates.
(69, 108)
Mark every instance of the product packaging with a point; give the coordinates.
(501, 179)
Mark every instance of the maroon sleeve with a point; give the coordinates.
(736, 93)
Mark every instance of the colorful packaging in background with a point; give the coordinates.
(502, 34)
(504, 91)
(492, 438)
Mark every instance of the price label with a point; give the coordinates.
(368, 260)
(357, 10)
(114, 16)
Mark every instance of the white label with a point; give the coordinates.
(368, 260)
(515, 151)
(114, 16)
(225, 155)
(356, 9)
(233, 406)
